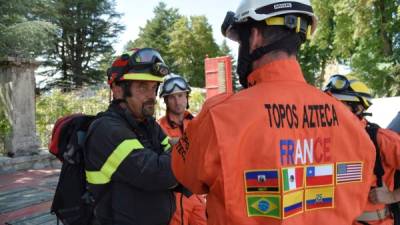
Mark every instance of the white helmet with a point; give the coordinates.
(172, 84)
(264, 9)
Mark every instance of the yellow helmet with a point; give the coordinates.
(349, 90)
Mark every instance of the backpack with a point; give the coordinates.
(372, 130)
(72, 203)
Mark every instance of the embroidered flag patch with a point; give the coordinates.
(320, 175)
(349, 172)
(262, 181)
(264, 205)
(317, 198)
(292, 203)
(292, 178)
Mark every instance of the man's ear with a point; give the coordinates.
(256, 39)
(117, 91)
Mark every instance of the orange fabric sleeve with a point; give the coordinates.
(389, 144)
(194, 159)
(198, 214)
(192, 163)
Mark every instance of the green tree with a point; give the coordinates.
(156, 33)
(192, 42)
(21, 34)
(316, 54)
(376, 43)
(184, 42)
(226, 51)
(365, 35)
(86, 31)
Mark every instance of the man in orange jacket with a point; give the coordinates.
(356, 96)
(280, 151)
(190, 208)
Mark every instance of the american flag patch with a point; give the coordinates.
(348, 172)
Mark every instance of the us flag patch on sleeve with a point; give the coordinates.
(348, 172)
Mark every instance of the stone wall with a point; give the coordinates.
(42, 160)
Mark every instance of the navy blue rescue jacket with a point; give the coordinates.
(128, 170)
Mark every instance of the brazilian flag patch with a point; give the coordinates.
(264, 205)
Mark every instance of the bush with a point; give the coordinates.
(5, 129)
(53, 105)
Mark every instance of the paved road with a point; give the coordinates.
(25, 197)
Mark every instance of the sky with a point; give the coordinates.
(136, 13)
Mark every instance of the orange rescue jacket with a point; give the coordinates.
(194, 207)
(389, 145)
(279, 152)
(172, 129)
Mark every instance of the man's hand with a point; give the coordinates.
(173, 140)
(381, 195)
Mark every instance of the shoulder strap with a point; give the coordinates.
(372, 130)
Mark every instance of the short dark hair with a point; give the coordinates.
(272, 34)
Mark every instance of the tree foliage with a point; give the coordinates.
(184, 42)
(5, 128)
(192, 42)
(90, 100)
(364, 34)
(21, 34)
(156, 32)
(55, 104)
(86, 31)
(316, 54)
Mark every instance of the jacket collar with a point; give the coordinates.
(278, 70)
(172, 124)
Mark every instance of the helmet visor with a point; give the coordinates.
(337, 83)
(146, 56)
(229, 27)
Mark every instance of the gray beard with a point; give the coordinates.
(147, 111)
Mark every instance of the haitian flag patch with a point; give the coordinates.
(264, 205)
(292, 204)
(292, 178)
(262, 181)
(320, 175)
(318, 198)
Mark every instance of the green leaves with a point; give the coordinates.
(21, 34)
(27, 39)
(192, 42)
(184, 42)
(156, 33)
(55, 104)
(86, 31)
(365, 34)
